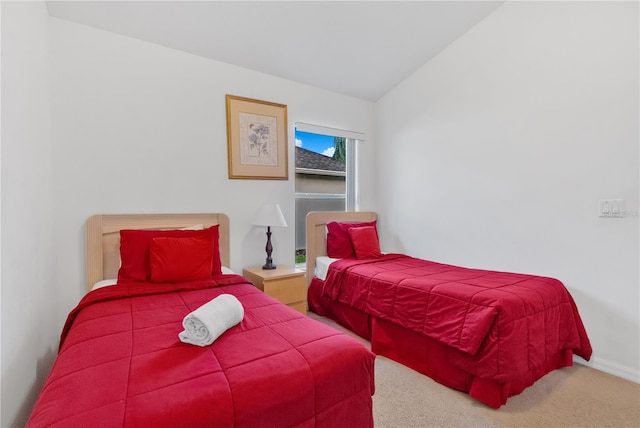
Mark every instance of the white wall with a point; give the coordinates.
(0, 219)
(495, 154)
(142, 128)
(29, 337)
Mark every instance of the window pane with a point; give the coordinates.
(321, 179)
(304, 206)
(317, 143)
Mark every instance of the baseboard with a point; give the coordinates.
(611, 368)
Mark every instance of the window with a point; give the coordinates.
(324, 175)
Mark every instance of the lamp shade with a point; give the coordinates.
(269, 215)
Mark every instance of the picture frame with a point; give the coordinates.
(257, 139)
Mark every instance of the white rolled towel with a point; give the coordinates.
(209, 321)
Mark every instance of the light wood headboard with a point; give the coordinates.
(317, 234)
(103, 237)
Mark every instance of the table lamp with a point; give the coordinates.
(269, 215)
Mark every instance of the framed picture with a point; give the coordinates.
(257, 139)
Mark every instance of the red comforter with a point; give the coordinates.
(505, 325)
(121, 364)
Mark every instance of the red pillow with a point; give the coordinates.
(338, 242)
(135, 244)
(365, 242)
(180, 259)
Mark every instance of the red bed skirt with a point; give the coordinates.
(423, 354)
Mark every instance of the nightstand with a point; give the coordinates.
(283, 283)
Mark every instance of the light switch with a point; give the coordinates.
(611, 208)
(615, 207)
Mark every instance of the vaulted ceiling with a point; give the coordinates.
(358, 48)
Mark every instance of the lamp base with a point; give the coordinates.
(269, 266)
(269, 263)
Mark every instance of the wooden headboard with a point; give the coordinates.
(317, 233)
(103, 237)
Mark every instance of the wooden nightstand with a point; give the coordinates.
(283, 283)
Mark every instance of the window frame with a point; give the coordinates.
(351, 174)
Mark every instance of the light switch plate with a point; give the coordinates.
(611, 208)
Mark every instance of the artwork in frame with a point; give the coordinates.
(257, 139)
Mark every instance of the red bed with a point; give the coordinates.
(491, 334)
(121, 363)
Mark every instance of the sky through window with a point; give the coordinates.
(318, 143)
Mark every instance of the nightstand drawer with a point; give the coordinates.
(285, 284)
(287, 290)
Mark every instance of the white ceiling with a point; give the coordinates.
(358, 48)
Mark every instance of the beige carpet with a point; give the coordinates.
(577, 396)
